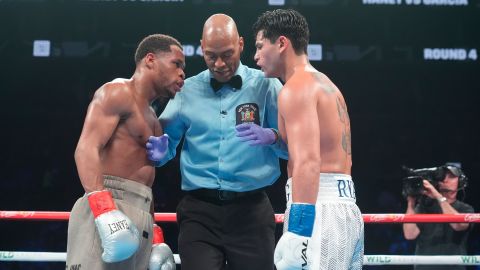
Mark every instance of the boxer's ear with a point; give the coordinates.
(283, 43)
(149, 60)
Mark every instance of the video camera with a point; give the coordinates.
(413, 183)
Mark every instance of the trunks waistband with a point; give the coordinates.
(332, 187)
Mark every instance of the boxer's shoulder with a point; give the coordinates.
(116, 94)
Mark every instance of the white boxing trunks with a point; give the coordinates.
(337, 239)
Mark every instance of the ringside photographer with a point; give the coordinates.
(434, 191)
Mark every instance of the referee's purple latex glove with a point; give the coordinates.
(157, 147)
(255, 134)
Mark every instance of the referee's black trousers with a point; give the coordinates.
(236, 234)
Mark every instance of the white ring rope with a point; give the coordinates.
(24, 256)
(421, 260)
(16, 256)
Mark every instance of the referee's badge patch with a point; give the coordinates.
(247, 113)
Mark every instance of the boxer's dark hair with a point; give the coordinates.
(153, 44)
(284, 22)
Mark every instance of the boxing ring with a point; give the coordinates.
(17, 256)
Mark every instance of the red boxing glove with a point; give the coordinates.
(157, 235)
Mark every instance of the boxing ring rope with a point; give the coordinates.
(171, 217)
(23, 256)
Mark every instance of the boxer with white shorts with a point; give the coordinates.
(323, 226)
(337, 237)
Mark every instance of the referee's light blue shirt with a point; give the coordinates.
(212, 156)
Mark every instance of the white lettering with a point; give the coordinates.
(413, 2)
(445, 2)
(417, 2)
(188, 50)
(448, 54)
(472, 54)
(199, 51)
(382, 2)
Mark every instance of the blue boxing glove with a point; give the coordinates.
(255, 134)
(157, 147)
(118, 234)
(292, 251)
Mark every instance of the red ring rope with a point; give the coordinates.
(171, 217)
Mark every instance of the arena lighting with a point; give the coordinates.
(41, 48)
(314, 52)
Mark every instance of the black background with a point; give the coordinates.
(404, 110)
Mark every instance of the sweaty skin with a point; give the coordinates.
(120, 119)
(313, 119)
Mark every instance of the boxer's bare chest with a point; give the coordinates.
(139, 123)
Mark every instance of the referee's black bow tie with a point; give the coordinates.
(235, 82)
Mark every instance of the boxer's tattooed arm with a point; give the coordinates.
(343, 116)
(325, 87)
(346, 142)
(328, 89)
(340, 110)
